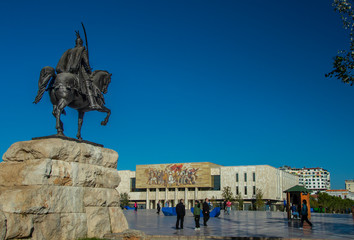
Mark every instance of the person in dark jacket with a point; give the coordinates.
(158, 207)
(206, 211)
(181, 211)
(304, 214)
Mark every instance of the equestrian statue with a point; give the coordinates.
(74, 85)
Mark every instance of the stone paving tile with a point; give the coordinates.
(245, 224)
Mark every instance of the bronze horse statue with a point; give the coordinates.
(63, 92)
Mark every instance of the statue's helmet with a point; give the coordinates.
(78, 41)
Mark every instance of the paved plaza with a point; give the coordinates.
(238, 224)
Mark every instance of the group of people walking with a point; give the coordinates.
(205, 209)
(181, 212)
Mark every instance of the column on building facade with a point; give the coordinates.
(157, 197)
(186, 203)
(147, 198)
(166, 195)
(195, 194)
(176, 197)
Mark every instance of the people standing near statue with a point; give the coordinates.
(206, 211)
(228, 207)
(76, 61)
(304, 214)
(196, 214)
(136, 206)
(158, 207)
(181, 211)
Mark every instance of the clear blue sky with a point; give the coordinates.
(228, 82)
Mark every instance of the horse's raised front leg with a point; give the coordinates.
(104, 109)
(81, 120)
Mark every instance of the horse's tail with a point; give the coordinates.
(46, 74)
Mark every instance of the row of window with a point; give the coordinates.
(312, 176)
(245, 190)
(245, 177)
(309, 180)
(314, 183)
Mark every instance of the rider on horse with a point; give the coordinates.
(75, 61)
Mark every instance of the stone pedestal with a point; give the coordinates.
(59, 189)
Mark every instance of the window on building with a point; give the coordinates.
(237, 191)
(236, 177)
(254, 177)
(171, 189)
(245, 190)
(254, 190)
(216, 182)
(133, 186)
(162, 189)
(245, 177)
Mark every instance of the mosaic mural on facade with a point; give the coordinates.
(173, 175)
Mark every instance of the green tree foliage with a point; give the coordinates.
(239, 199)
(313, 202)
(124, 199)
(343, 64)
(259, 199)
(227, 194)
(332, 203)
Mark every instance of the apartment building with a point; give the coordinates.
(315, 179)
(349, 185)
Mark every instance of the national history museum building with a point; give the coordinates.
(168, 183)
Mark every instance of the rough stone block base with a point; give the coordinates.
(58, 189)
